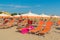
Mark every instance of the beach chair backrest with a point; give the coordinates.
(49, 23)
(39, 27)
(47, 27)
(58, 22)
(40, 24)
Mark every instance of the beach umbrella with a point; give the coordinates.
(43, 15)
(4, 15)
(16, 16)
(29, 14)
(55, 16)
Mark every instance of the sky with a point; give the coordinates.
(49, 7)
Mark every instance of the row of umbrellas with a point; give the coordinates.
(33, 14)
(30, 14)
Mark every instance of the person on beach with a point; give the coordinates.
(5, 21)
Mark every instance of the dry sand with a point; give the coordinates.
(11, 34)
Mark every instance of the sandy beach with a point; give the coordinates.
(29, 19)
(11, 34)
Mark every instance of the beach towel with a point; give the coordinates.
(24, 30)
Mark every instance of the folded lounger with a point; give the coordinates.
(46, 28)
(38, 28)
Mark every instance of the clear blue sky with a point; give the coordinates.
(36, 6)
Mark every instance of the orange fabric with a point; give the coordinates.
(49, 23)
(58, 22)
(47, 28)
(39, 27)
